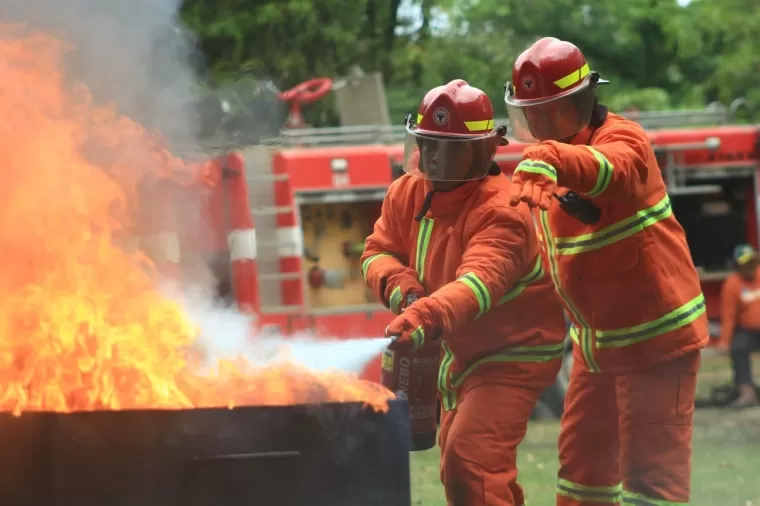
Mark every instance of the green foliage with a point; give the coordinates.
(643, 99)
(657, 53)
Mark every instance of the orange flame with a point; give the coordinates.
(82, 326)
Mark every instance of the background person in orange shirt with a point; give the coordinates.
(740, 321)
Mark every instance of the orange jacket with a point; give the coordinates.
(628, 281)
(740, 306)
(476, 261)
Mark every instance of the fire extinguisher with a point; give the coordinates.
(413, 375)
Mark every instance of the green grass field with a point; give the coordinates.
(726, 464)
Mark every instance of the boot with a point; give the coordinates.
(747, 397)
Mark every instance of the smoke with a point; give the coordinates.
(227, 334)
(133, 53)
(137, 55)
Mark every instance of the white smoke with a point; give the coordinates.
(227, 333)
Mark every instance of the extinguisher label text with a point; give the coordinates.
(426, 361)
(403, 374)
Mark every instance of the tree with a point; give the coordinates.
(657, 53)
(730, 39)
(290, 41)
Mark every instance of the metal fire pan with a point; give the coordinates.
(337, 454)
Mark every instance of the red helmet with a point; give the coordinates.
(454, 137)
(551, 96)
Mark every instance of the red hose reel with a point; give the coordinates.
(305, 93)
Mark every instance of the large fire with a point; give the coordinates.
(83, 326)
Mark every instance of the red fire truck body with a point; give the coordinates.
(315, 194)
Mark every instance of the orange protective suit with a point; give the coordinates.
(638, 316)
(475, 261)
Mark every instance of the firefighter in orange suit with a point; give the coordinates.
(620, 263)
(447, 235)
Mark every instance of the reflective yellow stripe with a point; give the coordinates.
(423, 241)
(626, 336)
(605, 173)
(477, 126)
(611, 495)
(679, 317)
(539, 353)
(537, 167)
(615, 232)
(448, 382)
(634, 499)
(573, 77)
(395, 300)
(448, 396)
(369, 260)
(584, 339)
(418, 337)
(472, 126)
(480, 291)
(575, 335)
(535, 274)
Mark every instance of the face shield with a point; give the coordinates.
(554, 118)
(450, 157)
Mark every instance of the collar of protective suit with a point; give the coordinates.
(598, 117)
(449, 203)
(584, 136)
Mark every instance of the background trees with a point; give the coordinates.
(658, 53)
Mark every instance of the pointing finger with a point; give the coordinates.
(546, 201)
(514, 192)
(527, 192)
(535, 197)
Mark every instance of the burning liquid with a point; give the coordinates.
(82, 325)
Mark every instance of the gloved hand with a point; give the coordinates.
(412, 328)
(535, 178)
(401, 287)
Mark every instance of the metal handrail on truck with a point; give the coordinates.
(714, 114)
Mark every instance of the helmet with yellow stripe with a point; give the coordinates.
(552, 92)
(453, 136)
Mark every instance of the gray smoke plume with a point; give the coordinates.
(133, 53)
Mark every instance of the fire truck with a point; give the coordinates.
(315, 194)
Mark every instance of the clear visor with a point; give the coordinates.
(449, 158)
(551, 119)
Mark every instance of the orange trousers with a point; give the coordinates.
(479, 438)
(626, 438)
